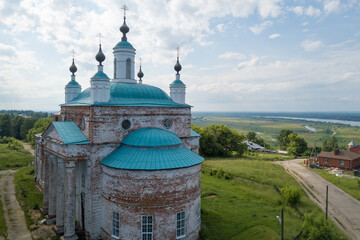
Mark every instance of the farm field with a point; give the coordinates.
(246, 206)
(269, 128)
(11, 159)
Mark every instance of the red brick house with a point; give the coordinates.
(345, 159)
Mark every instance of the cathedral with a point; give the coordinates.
(120, 160)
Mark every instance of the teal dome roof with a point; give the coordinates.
(73, 83)
(124, 44)
(129, 94)
(151, 137)
(151, 149)
(100, 74)
(177, 82)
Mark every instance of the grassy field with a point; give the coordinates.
(349, 185)
(269, 128)
(10, 159)
(29, 196)
(246, 206)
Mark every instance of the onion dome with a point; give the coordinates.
(100, 56)
(177, 66)
(73, 68)
(124, 29)
(140, 73)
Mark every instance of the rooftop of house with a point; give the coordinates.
(340, 154)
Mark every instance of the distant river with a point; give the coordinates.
(351, 123)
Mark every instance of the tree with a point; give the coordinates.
(5, 125)
(26, 126)
(330, 145)
(39, 127)
(219, 140)
(16, 126)
(315, 227)
(251, 136)
(333, 143)
(283, 138)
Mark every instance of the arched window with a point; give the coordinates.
(128, 68)
(114, 67)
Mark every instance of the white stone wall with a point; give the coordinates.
(121, 55)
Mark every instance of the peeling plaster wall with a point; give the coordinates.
(158, 193)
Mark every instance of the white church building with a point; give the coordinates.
(120, 160)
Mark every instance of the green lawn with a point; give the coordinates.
(29, 196)
(11, 159)
(349, 185)
(246, 206)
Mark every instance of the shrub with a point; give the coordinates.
(213, 172)
(228, 176)
(291, 194)
(220, 173)
(315, 227)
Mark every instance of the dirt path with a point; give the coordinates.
(14, 216)
(28, 147)
(343, 208)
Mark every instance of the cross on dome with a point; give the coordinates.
(100, 36)
(124, 7)
(124, 28)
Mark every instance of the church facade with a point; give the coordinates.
(120, 160)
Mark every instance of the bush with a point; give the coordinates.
(316, 227)
(220, 173)
(213, 172)
(228, 176)
(291, 194)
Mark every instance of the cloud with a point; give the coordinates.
(313, 12)
(331, 6)
(248, 64)
(298, 10)
(220, 27)
(310, 45)
(232, 55)
(259, 28)
(275, 35)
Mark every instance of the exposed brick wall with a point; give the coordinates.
(333, 162)
(355, 149)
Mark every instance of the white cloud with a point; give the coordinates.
(220, 27)
(298, 10)
(310, 45)
(313, 12)
(331, 6)
(232, 55)
(275, 35)
(259, 28)
(248, 64)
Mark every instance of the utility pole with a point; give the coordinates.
(327, 200)
(282, 224)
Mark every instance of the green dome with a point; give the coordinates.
(151, 137)
(73, 83)
(177, 82)
(129, 94)
(124, 44)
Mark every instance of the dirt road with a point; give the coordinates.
(343, 208)
(14, 215)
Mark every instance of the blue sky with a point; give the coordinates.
(244, 55)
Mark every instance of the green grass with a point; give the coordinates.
(246, 206)
(3, 227)
(349, 185)
(11, 159)
(269, 128)
(29, 197)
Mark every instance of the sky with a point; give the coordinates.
(237, 55)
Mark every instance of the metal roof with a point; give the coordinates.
(177, 82)
(73, 83)
(129, 94)
(194, 134)
(340, 154)
(135, 158)
(124, 44)
(70, 133)
(352, 143)
(151, 137)
(101, 75)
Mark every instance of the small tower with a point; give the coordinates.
(140, 74)
(351, 145)
(124, 57)
(73, 88)
(177, 87)
(100, 82)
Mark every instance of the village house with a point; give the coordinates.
(345, 159)
(120, 159)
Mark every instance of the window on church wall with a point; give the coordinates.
(199, 213)
(82, 180)
(115, 225)
(128, 68)
(180, 225)
(146, 227)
